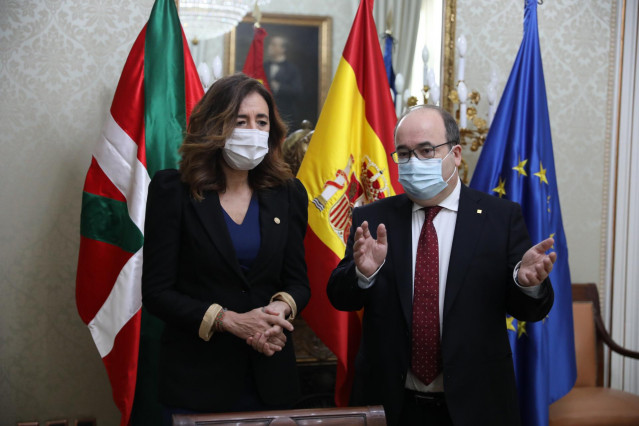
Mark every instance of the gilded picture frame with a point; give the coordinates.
(308, 39)
(448, 82)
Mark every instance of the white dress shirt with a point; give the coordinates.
(444, 224)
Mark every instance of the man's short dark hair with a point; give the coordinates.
(452, 130)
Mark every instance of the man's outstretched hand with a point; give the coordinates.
(536, 264)
(369, 253)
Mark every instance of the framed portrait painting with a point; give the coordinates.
(297, 62)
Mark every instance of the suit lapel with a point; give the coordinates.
(274, 220)
(400, 246)
(209, 212)
(470, 218)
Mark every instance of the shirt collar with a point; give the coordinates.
(451, 202)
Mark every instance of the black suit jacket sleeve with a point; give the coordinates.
(294, 276)
(161, 257)
(343, 291)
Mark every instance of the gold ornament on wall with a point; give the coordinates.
(464, 107)
(473, 134)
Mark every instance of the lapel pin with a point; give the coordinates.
(276, 220)
(479, 211)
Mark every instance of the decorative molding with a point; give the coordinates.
(606, 229)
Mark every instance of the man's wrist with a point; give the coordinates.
(371, 276)
(534, 291)
(516, 274)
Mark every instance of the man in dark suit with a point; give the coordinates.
(436, 270)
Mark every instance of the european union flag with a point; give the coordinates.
(388, 62)
(517, 163)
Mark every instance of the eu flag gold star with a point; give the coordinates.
(520, 167)
(509, 323)
(521, 328)
(552, 235)
(501, 188)
(541, 174)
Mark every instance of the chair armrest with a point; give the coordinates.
(603, 333)
(588, 292)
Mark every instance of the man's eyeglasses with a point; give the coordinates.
(424, 152)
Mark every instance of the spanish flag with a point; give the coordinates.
(346, 165)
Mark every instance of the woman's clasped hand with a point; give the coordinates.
(261, 328)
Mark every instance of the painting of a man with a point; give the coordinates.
(284, 79)
(296, 77)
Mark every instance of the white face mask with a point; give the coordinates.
(245, 149)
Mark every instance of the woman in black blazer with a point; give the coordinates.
(224, 260)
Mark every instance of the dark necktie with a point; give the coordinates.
(426, 360)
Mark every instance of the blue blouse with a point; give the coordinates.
(246, 236)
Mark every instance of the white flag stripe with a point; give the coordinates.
(116, 153)
(124, 301)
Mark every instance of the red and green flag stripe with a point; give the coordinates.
(158, 87)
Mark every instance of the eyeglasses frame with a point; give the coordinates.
(412, 152)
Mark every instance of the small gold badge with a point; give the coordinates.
(277, 220)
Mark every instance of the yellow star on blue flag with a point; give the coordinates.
(521, 328)
(520, 167)
(541, 174)
(500, 189)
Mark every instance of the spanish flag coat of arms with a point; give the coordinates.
(347, 164)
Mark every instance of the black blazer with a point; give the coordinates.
(190, 263)
(490, 238)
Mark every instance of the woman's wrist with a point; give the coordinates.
(207, 326)
(218, 324)
(280, 307)
(289, 301)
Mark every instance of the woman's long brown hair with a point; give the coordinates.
(212, 122)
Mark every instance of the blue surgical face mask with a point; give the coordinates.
(422, 179)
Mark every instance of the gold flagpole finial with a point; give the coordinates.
(257, 15)
(389, 22)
